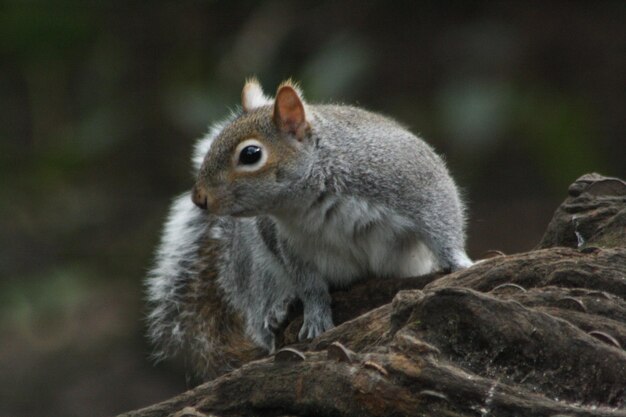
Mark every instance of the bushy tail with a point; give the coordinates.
(188, 314)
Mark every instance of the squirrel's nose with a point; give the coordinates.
(199, 197)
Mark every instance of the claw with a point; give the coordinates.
(313, 328)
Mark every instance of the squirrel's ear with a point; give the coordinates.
(252, 96)
(289, 114)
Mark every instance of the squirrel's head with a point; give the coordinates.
(255, 161)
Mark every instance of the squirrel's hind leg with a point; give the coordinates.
(452, 259)
(447, 247)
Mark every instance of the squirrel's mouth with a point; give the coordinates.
(241, 212)
(222, 208)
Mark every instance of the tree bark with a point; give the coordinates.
(534, 334)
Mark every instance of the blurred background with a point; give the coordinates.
(100, 104)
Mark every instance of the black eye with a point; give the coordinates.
(249, 155)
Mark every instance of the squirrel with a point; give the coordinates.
(291, 199)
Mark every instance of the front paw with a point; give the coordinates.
(315, 324)
(277, 315)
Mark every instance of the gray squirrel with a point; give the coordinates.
(291, 199)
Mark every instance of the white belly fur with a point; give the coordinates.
(357, 240)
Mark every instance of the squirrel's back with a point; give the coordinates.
(368, 155)
(359, 140)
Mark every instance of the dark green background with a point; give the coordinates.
(100, 104)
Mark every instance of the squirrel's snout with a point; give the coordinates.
(199, 197)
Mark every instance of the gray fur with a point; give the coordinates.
(360, 196)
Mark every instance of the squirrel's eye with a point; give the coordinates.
(251, 154)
